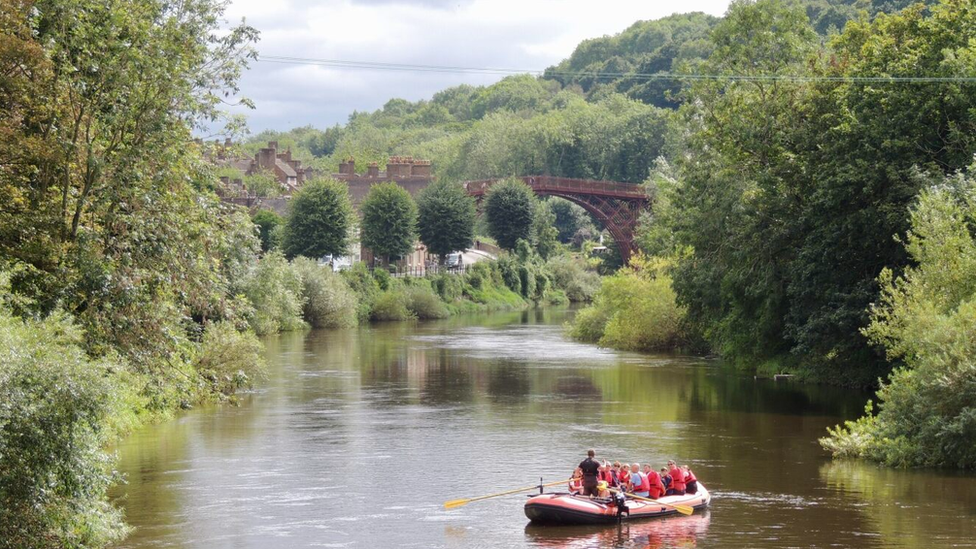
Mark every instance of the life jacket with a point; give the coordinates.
(690, 477)
(624, 477)
(656, 489)
(645, 483)
(638, 480)
(576, 485)
(677, 479)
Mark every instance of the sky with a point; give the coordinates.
(510, 34)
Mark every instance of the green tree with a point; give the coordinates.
(544, 231)
(510, 209)
(924, 321)
(263, 183)
(319, 220)
(446, 216)
(570, 218)
(268, 223)
(389, 225)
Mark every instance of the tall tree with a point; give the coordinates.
(446, 217)
(319, 220)
(510, 208)
(389, 226)
(544, 232)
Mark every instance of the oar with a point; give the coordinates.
(459, 502)
(683, 509)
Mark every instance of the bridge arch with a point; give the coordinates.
(616, 205)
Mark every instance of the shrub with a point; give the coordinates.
(423, 303)
(269, 229)
(228, 359)
(571, 276)
(449, 287)
(328, 300)
(275, 290)
(638, 308)
(362, 282)
(391, 305)
(54, 405)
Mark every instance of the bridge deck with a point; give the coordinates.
(553, 184)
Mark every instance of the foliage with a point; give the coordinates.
(229, 359)
(328, 302)
(571, 276)
(319, 220)
(635, 309)
(925, 320)
(366, 288)
(389, 224)
(391, 305)
(570, 219)
(423, 303)
(510, 210)
(54, 408)
(263, 183)
(268, 223)
(275, 289)
(544, 232)
(446, 217)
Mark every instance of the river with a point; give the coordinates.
(358, 437)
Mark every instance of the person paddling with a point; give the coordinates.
(590, 468)
(576, 482)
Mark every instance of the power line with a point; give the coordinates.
(407, 67)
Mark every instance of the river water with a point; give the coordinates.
(359, 436)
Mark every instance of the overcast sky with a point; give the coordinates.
(526, 34)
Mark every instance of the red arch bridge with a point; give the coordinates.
(616, 205)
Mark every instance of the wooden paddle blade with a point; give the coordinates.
(455, 503)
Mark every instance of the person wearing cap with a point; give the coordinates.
(590, 468)
(602, 489)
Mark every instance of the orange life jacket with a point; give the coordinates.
(677, 479)
(656, 486)
(576, 485)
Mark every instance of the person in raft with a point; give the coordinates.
(665, 479)
(655, 487)
(691, 483)
(638, 482)
(623, 474)
(590, 468)
(677, 480)
(602, 490)
(576, 482)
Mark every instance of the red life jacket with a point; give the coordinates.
(624, 477)
(656, 486)
(690, 477)
(646, 485)
(576, 485)
(677, 479)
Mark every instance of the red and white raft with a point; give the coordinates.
(573, 509)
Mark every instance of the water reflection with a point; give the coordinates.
(360, 435)
(672, 532)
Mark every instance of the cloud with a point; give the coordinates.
(511, 34)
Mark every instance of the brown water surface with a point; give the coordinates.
(359, 436)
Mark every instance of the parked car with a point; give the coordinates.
(454, 260)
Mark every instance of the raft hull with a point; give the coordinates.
(572, 509)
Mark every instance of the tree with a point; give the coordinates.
(319, 220)
(389, 226)
(446, 217)
(510, 209)
(268, 223)
(569, 218)
(924, 321)
(544, 232)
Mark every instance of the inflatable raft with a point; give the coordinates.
(573, 509)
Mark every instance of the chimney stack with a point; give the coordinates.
(373, 170)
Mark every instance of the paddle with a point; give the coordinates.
(459, 502)
(683, 509)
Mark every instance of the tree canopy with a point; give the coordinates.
(510, 207)
(319, 220)
(389, 224)
(446, 216)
